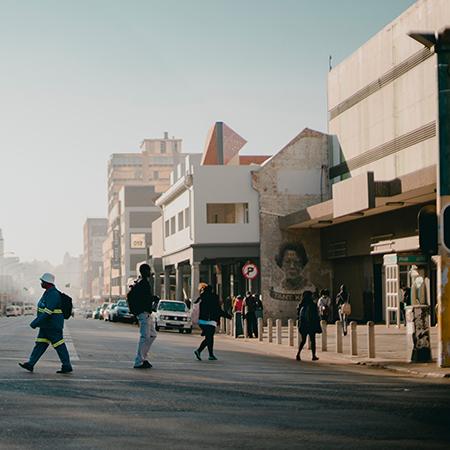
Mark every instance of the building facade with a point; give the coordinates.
(383, 113)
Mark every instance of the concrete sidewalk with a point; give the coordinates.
(390, 345)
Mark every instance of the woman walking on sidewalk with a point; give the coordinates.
(308, 323)
(209, 316)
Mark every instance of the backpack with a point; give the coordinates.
(66, 305)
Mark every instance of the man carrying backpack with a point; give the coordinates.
(140, 301)
(50, 321)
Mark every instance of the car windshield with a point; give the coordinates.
(122, 303)
(172, 306)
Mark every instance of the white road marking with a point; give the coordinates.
(70, 345)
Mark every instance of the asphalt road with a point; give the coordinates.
(242, 401)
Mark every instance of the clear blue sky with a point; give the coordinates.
(83, 79)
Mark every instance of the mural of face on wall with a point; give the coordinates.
(289, 281)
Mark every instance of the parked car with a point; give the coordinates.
(13, 311)
(121, 312)
(102, 310)
(29, 310)
(173, 315)
(96, 313)
(107, 311)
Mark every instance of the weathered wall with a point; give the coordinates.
(290, 181)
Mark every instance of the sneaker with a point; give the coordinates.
(197, 355)
(65, 370)
(140, 366)
(297, 358)
(212, 358)
(147, 365)
(315, 358)
(26, 366)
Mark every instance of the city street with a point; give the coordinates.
(243, 400)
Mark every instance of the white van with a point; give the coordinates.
(29, 310)
(13, 310)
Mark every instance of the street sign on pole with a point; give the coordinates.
(250, 270)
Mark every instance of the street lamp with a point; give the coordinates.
(439, 43)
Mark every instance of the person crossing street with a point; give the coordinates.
(50, 321)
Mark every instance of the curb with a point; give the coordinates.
(407, 370)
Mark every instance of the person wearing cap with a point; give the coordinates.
(50, 321)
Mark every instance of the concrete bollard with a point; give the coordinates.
(299, 338)
(260, 329)
(338, 336)
(270, 330)
(353, 338)
(233, 326)
(279, 331)
(323, 325)
(227, 327)
(244, 325)
(291, 332)
(222, 324)
(371, 339)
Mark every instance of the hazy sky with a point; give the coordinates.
(83, 79)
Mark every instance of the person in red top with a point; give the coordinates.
(237, 310)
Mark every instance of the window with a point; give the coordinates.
(187, 217)
(180, 221)
(163, 146)
(227, 213)
(172, 225)
(156, 175)
(167, 228)
(174, 146)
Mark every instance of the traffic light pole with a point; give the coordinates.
(442, 48)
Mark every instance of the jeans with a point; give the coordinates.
(45, 337)
(252, 325)
(147, 332)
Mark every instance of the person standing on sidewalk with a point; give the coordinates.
(140, 301)
(209, 316)
(50, 321)
(237, 311)
(324, 304)
(308, 323)
(249, 309)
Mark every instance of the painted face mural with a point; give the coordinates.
(288, 280)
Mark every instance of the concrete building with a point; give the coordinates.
(94, 235)
(151, 167)
(210, 222)
(129, 237)
(383, 113)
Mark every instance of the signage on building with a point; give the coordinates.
(250, 270)
(116, 250)
(137, 240)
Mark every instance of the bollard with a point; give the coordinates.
(371, 339)
(323, 325)
(353, 339)
(244, 324)
(260, 329)
(233, 326)
(227, 327)
(279, 331)
(270, 329)
(338, 336)
(291, 332)
(222, 324)
(299, 338)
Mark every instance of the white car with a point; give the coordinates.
(173, 315)
(13, 311)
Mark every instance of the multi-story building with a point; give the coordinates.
(383, 112)
(150, 167)
(94, 235)
(209, 226)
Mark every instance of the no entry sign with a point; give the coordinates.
(250, 271)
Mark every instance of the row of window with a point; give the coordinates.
(182, 219)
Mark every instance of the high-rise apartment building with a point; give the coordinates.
(150, 167)
(150, 170)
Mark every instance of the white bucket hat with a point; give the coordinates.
(48, 278)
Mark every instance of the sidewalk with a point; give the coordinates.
(390, 347)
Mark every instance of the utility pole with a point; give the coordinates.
(440, 44)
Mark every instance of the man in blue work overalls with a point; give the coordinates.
(50, 321)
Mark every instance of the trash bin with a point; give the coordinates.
(418, 333)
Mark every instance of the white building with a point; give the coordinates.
(210, 220)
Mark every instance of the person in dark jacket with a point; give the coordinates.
(50, 321)
(140, 302)
(250, 315)
(308, 323)
(209, 316)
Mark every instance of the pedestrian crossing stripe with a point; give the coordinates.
(70, 345)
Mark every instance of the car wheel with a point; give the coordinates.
(157, 328)
(181, 330)
(189, 331)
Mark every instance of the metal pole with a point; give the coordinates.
(338, 336)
